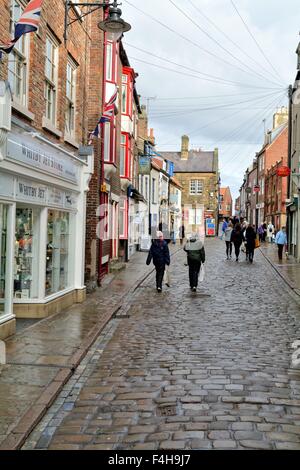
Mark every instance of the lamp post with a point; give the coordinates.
(113, 25)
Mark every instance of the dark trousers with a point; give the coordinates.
(280, 250)
(250, 250)
(194, 269)
(228, 248)
(237, 247)
(160, 271)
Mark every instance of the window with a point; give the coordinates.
(26, 249)
(153, 191)
(196, 187)
(57, 259)
(109, 61)
(70, 97)
(146, 195)
(124, 94)
(17, 64)
(123, 155)
(51, 78)
(123, 232)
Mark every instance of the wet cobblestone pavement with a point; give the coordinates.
(179, 370)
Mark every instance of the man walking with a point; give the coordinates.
(281, 241)
(196, 255)
(160, 254)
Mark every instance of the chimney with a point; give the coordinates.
(280, 117)
(184, 147)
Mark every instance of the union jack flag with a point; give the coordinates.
(28, 23)
(108, 112)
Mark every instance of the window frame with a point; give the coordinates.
(196, 191)
(20, 52)
(123, 211)
(71, 100)
(51, 83)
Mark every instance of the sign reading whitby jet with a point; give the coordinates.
(31, 153)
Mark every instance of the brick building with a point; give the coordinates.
(275, 149)
(225, 203)
(45, 171)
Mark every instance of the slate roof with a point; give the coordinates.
(198, 161)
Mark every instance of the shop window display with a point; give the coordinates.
(3, 238)
(26, 254)
(57, 252)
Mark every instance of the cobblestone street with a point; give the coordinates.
(179, 370)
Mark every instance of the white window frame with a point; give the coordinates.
(196, 187)
(70, 115)
(109, 61)
(51, 81)
(18, 60)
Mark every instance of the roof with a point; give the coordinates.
(175, 181)
(198, 161)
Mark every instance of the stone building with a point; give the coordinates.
(197, 172)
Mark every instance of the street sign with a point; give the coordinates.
(256, 188)
(248, 190)
(144, 165)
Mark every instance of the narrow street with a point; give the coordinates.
(179, 370)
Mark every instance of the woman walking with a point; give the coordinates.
(196, 255)
(237, 239)
(160, 254)
(250, 236)
(228, 232)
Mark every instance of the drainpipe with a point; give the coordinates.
(290, 124)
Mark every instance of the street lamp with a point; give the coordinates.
(114, 25)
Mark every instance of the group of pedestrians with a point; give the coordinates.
(242, 233)
(160, 255)
(238, 234)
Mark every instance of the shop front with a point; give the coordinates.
(42, 228)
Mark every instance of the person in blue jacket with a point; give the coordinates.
(281, 241)
(160, 254)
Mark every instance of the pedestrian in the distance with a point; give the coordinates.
(196, 255)
(281, 241)
(250, 237)
(265, 231)
(237, 239)
(228, 242)
(181, 234)
(261, 232)
(160, 254)
(270, 232)
(224, 227)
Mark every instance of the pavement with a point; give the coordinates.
(183, 370)
(287, 268)
(43, 357)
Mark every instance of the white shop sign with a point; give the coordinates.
(23, 149)
(55, 197)
(28, 191)
(6, 185)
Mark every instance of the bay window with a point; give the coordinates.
(125, 156)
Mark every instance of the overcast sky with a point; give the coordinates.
(244, 81)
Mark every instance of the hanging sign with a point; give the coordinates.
(283, 171)
(256, 189)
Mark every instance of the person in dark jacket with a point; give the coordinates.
(250, 236)
(237, 239)
(196, 255)
(160, 254)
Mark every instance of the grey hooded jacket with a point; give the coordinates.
(195, 250)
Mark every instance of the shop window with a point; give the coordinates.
(18, 58)
(26, 254)
(57, 258)
(3, 240)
